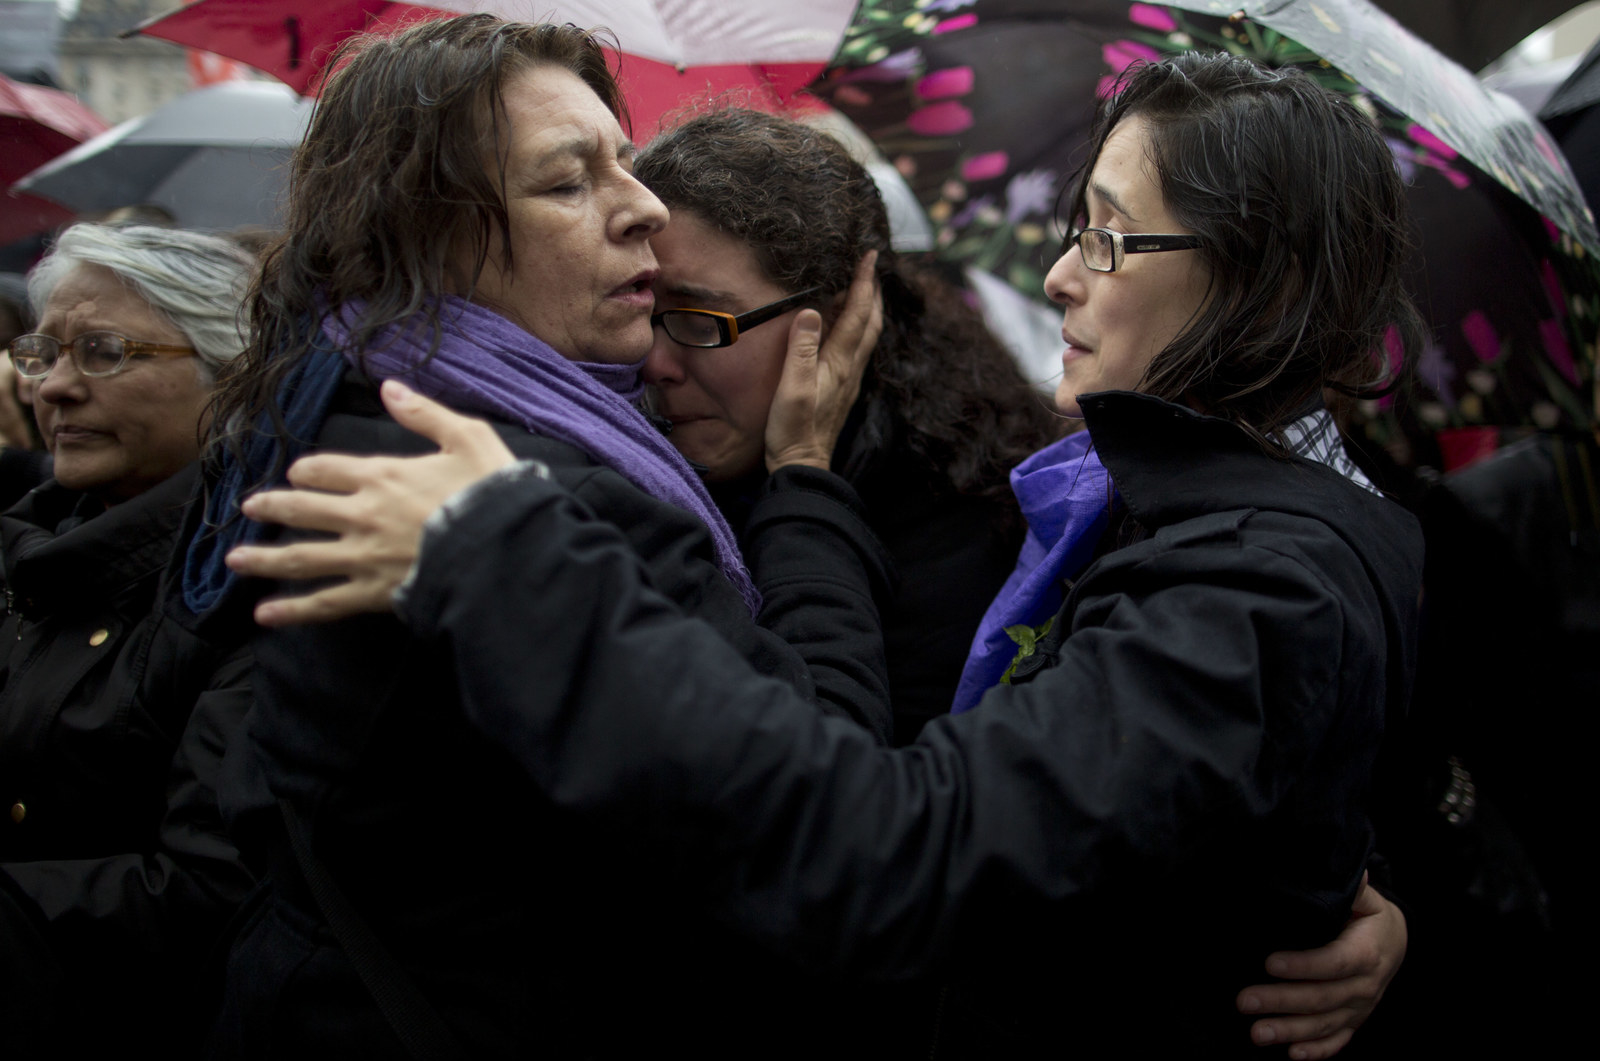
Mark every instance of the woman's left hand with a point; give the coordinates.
(376, 506)
(821, 379)
(1339, 984)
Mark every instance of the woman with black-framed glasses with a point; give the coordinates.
(113, 861)
(1176, 701)
(709, 329)
(769, 216)
(1103, 249)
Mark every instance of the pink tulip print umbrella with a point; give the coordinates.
(985, 105)
(672, 52)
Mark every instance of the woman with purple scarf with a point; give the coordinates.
(1161, 754)
(464, 217)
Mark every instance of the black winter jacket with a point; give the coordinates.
(521, 931)
(112, 725)
(950, 553)
(1177, 783)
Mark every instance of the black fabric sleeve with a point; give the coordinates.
(124, 924)
(1175, 721)
(818, 566)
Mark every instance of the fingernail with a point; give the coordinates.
(1277, 967)
(396, 391)
(809, 321)
(1266, 1035)
(1249, 1004)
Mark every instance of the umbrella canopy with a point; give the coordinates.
(22, 216)
(974, 103)
(1579, 90)
(973, 100)
(1510, 335)
(36, 125)
(1531, 85)
(214, 158)
(671, 51)
(1526, 361)
(1488, 129)
(1569, 112)
(1475, 32)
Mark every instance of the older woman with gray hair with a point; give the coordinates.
(113, 867)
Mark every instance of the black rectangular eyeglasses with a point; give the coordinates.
(708, 329)
(1103, 249)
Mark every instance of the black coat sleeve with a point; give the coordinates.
(1143, 745)
(807, 545)
(818, 565)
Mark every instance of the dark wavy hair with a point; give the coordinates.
(390, 182)
(939, 384)
(1302, 216)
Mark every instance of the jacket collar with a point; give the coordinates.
(1171, 463)
(95, 558)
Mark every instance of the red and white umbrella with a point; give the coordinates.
(672, 52)
(36, 125)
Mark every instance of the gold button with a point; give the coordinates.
(18, 812)
(98, 638)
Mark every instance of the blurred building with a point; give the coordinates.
(120, 79)
(30, 34)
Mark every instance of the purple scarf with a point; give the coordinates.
(488, 366)
(1066, 496)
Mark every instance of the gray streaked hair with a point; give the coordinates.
(197, 281)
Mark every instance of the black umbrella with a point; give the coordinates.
(1474, 32)
(1572, 118)
(215, 157)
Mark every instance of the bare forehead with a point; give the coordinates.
(697, 259)
(90, 297)
(90, 287)
(1124, 177)
(552, 113)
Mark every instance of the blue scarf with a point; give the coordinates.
(1066, 496)
(485, 365)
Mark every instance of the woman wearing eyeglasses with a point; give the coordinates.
(770, 216)
(113, 865)
(1177, 699)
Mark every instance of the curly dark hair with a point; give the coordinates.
(939, 384)
(389, 183)
(1302, 218)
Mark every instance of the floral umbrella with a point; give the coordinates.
(972, 101)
